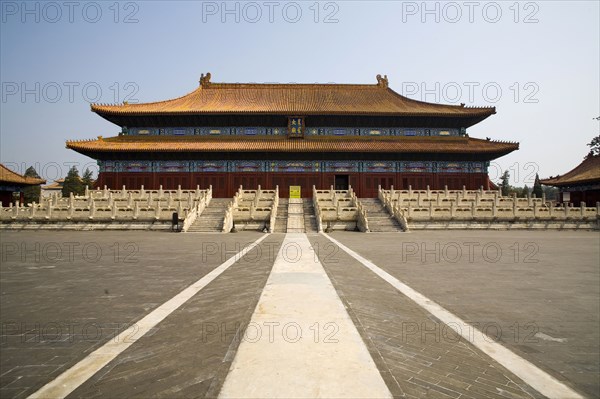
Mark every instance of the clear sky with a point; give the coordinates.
(537, 62)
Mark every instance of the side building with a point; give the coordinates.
(582, 184)
(231, 134)
(12, 185)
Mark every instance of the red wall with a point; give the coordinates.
(225, 184)
(590, 197)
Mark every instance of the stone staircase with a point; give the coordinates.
(379, 218)
(295, 222)
(310, 220)
(282, 217)
(211, 220)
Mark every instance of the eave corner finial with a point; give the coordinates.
(382, 81)
(205, 80)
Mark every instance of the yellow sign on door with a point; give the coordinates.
(295, 192)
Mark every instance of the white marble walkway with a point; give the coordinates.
(301, 342)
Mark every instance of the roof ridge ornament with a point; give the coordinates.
(205, 80)
(382, 82)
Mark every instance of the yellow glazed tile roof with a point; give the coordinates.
(320, 144)
(586, 172)
(292, 99)
(8, 176)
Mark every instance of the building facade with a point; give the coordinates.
(12, 185)
(231, 134)
(582, 184)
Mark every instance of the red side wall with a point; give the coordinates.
(590, 197)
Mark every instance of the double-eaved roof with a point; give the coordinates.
(321, 105)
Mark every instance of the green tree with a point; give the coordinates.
(32, 193)
(551, 193)
(537, 187)
(504, 186)
(594, 145)
(87, 180)
(73, 183)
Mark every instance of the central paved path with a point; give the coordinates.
(301, 342)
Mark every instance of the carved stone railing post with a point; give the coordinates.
(157, 210)
(136, 209)
(49, 210)
(92, 209)
(179, 208)
(160, 192)
(582, 208)
(179, 191)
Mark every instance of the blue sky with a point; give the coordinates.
(537, 62)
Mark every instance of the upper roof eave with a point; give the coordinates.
(293, 99)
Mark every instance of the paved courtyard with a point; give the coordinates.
(459, 314)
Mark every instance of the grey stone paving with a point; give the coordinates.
(543, 282)
(418, 356)
(64, 294)
(190, 353)
(55, 308)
